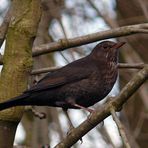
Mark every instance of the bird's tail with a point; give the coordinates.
(13, 102)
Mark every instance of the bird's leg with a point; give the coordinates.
(84, 108)
(71, 126)
(71, 102)
(69, 120)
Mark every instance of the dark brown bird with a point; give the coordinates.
(79, 84)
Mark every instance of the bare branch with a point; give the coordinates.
(105, 17)
(44, 70)
(104, 110)
(133, 66)
(63, 44)
(120, 128)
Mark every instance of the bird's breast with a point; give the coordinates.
(109, 76)
(91, 90)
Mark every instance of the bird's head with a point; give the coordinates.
(107, 50)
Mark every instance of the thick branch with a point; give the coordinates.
(13, 79)
(104, 110)
(82, 40)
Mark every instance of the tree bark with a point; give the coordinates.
(17, 63)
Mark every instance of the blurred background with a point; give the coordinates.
(68, 19)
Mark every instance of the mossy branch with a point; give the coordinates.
(17, 62)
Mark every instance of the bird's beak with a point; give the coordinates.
(118, 45)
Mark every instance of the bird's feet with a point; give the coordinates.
(84, 108)
(89, 117)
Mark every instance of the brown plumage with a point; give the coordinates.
(79, 84)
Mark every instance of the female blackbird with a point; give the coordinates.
(79, 84)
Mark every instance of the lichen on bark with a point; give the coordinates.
(17, 60)
(17, 57)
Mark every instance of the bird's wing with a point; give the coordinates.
(71, 73)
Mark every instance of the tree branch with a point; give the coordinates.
(104, 110)
(44, 70)
(132, 66)
(63, 44)
(21, 31)
(120, 128)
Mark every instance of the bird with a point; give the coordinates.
(78, 85)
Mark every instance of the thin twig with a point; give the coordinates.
(105, 135)
(104, 110)
(64, 32)
(44, 70)
(120, 128)
(139, 126)
(133, 66)
(105, 16)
